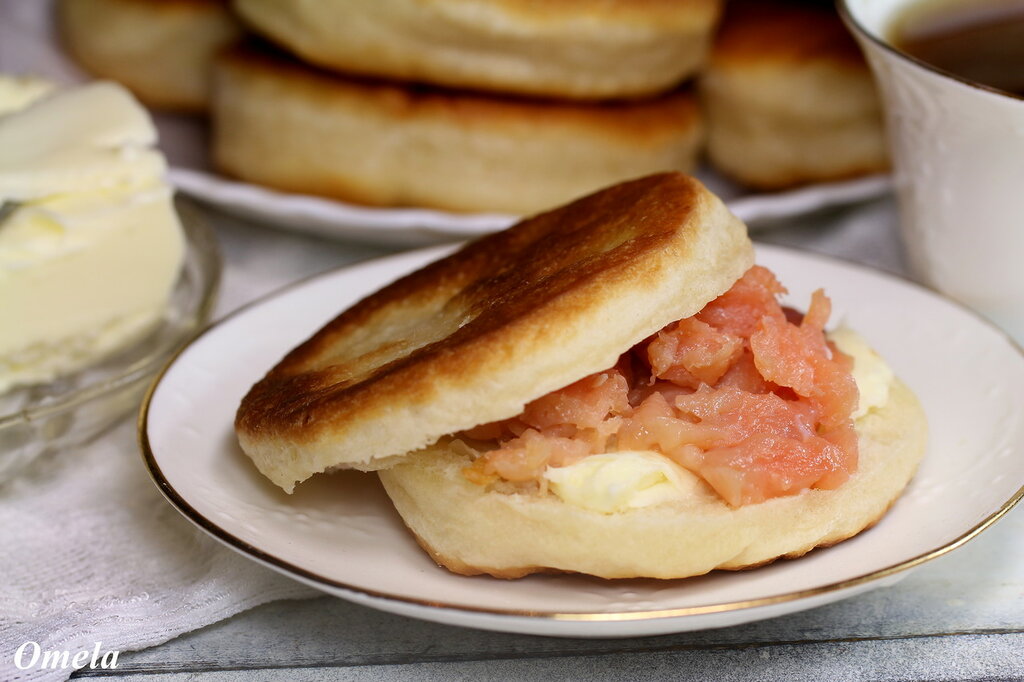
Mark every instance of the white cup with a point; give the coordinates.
(958, 160)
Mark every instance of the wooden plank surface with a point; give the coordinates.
(964, 658)
(960, 617)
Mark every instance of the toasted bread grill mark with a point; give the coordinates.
(472, 338)
(494, 283)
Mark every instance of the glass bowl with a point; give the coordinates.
(42, 419)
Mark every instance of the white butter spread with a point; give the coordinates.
(617, 481)
(872, 375)
(88, 259)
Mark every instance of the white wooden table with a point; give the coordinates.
(960, 617)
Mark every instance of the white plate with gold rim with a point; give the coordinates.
(340, 534)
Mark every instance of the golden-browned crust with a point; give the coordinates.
(566, 49)
(284, 124)
(474, 337)
(472, 530)
(161, 50)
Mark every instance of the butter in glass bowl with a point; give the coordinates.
(104, 275)
(90, 244)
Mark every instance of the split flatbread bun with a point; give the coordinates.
(406, 381)
(474, 337)
(161, 50)
(286, 125)
(789, 98)
(557, 48)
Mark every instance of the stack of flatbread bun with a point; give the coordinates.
(505, 396)
(467, 105)
(506, 106)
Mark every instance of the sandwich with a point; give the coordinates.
(609, 388)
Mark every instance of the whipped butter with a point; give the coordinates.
(872, 376)
(619, 481)
(88, 259)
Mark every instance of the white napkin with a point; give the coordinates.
(91, 553)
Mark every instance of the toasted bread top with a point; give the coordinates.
(472, 338)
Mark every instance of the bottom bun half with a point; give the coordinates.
(472, 530)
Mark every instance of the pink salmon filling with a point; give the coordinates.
(746, 394)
